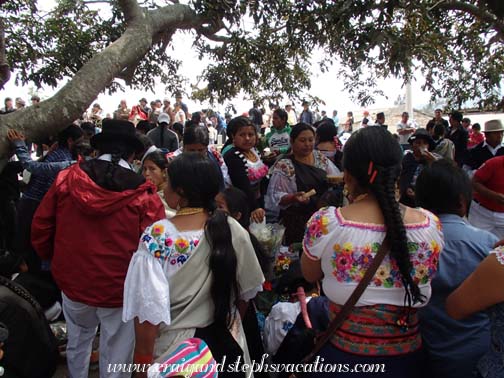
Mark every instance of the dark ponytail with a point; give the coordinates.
(373, 157)
(223, 264)
(118, 151)
(197, 179)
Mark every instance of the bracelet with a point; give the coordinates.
(142, 358)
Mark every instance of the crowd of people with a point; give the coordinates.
(139, 225)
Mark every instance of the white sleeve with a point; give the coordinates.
(280, 185)
(331, 169)
(250, 294)
(146, 290)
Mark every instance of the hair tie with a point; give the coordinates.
(373, 176)
(371, 172)
(370, 168)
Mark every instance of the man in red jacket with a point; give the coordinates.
(89, 224)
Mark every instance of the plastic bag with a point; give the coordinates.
(270, 236)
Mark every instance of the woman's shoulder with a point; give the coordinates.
(284, 166)
(419, 218)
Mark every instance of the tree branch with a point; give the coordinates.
(131, 10)
(178, 16)
(477, 12)
(4, 67)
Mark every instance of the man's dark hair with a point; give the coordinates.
(441, 186)
(74, 132)
(282, 114)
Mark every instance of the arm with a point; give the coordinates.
(145, 336)
(482, 176)
(487, 193)
(311, 269)
(482, 289)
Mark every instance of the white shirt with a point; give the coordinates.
(403, 139)
(123, 163)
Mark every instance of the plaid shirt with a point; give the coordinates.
(40, 183)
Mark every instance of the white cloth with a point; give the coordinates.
(346, 248)
(108, 157)
(403, 139)
(491, 221)
(146, 288)
(280, 320)
(173, 267)
(116, 338)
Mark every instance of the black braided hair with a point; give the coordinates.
(376, 145)
(23, 293)
(118, 151)
(197, 180)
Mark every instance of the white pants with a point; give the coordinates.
(488, 220)
(117, 339)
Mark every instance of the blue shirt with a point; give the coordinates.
(41, 182)
(454, 347)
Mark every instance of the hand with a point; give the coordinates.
(299, 197)
(428, 156)
(15, 136)
(499, 198)
(258, 215)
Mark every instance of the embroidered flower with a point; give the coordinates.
(382, 273)
(421, 273)
(196, 242)
(344, 261)
(347, 248)
(336, 247)
(435, 247)
(146, 238)
(168, 242)
(157, 230)
(181, 245)
(316, 227)
(157, 254)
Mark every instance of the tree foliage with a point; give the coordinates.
(263, 48)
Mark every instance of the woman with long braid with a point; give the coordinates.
(192, 274)
(341, 243)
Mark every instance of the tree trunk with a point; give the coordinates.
(68, 104)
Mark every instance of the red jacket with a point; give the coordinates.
(90, 233)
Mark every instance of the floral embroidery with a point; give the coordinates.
(285, 167)
(181, 245)
(165, 248)
(350, 262)
(317, 226)
(257, 173)
(157, 230)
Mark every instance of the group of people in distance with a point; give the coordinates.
(152, 245)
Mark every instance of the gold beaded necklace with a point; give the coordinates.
(190, 210)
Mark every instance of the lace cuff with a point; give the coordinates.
(499, 254)
(146, 291)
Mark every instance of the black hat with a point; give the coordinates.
(117, 131)
(422, 134)
(457, 116)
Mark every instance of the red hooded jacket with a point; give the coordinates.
(90, 233)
